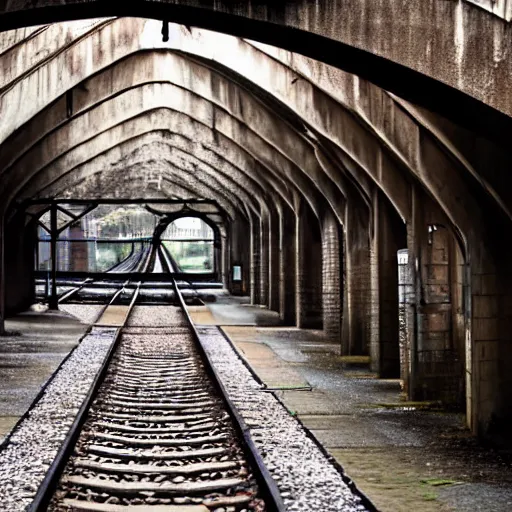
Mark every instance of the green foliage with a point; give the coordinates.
(192, 256)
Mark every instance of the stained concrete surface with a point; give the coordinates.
(402, 456)
(229, 310)
(114, 316)
(36, 343)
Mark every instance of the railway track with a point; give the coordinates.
(159, 432)
(104, 289)
(109, 291)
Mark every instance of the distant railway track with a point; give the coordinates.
(137, 261)
(158, 432)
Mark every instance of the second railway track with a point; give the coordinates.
(159, 434)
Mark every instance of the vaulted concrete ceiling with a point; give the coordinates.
(420, 49)
(215, 116)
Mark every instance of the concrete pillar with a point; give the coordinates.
(255, 253)
(264, 258)
(274, 259)
(240, 254)
(2, 275)
(357, 316)
(218, 257)
(331, 276)
(389, 236)
(308, 300)
(489, 333)
(414, 300)
(226, 258)
(488, 354)
(53, 300)
(437, 352)
(287, 273)
(19, 264)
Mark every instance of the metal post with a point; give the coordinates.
(53, 302)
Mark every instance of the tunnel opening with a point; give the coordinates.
(191, 243)
(81, 248)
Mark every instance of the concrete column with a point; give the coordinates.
(389, 236)
(274, 258)
(240, 253)
(489, 334)
(357, 316)
(255, 252)
(264, 258)
(308, 300)
(331, 276)
(53, 300)
(19, 264)
(436, 350)
(218, 257)
(2, 275)
(413, 331)
(287, 251)
(226, 259)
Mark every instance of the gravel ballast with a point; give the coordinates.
(305, 477)
(30, 450)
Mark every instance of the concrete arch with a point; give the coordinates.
(316, 115)
(163, 138)
(154, 121)
(336, 32)
(351, 127)
(136, 152)
(202, 112)
(179, 28)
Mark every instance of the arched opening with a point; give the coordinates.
(191, 244)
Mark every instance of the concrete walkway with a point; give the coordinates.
(36, 344)
(403, 456)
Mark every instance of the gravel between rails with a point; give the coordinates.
(306, 479)
(31, 449)
(156, 316)
(157, 433)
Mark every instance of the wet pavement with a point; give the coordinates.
(403, 456)
(228, 310)
(35, 345)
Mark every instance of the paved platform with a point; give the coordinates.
(36, 344)
(402, 456)
(228, 310)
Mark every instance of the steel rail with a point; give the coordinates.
(50, 482)
(267, 485)
(140, 260)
